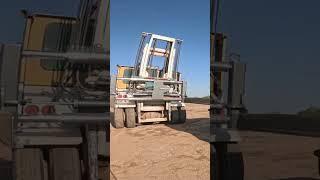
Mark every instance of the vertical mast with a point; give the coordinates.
(93, 22)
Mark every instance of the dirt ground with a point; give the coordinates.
(162, 151)
(174, 152)
(279, 156)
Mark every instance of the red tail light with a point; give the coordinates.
(119, 96)
(31, 110)
(48, 109)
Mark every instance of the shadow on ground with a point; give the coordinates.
(198, 127)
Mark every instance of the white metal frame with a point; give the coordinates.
(148, 51)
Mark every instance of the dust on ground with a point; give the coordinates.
(163, 151)
(174, 152)
(279, 156)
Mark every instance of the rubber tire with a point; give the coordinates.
(182, 115)
(235, 167)
(119, 117)
(6, 169)
(317, 154)
(64, 164)
(174, 115)
(29, 164)
(178, 115)
(104, 170)
(130, 117)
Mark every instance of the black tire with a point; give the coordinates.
(234, 167)
(104, 170)
(6, 169)
(29, 164)
(130, 117)
(64, 164)
(182, 115)
(178, 115)
(119, 117)
(174, 115)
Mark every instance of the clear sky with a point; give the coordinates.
(12, 22)
(279, 40)
(187, 20)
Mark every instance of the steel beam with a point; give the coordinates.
(101, 118)
(92, 57)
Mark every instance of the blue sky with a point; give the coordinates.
(279, 40)
(13, 23)
(187, 20)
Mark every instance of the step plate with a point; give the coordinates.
(153, 120)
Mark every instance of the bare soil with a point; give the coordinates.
(173, 152)
(163, 151)
(279, 156)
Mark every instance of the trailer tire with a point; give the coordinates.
(104, 167)
(29, 164)
(119, 117)
(64, 164)
(234, 169)
(130, 118)
(174, 115)
(6, 169)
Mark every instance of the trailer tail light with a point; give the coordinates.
(31, 110)
(48, 109)
(122, 96)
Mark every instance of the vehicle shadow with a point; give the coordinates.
(198, 127)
